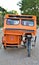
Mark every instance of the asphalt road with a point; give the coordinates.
(14, 56)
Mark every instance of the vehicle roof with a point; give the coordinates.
(19, 16)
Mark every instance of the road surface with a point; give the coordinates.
(14, 56)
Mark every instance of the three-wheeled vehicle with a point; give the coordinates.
(18, 29)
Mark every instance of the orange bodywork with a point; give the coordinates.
(13, 33)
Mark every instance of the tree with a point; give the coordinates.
(3, 12)
(29, 7)
(12, 12)
(2, 9)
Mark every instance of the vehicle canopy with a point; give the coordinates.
(20, 22)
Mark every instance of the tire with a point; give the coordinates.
(29, 47)
(4, 47)
(35, 39)
(16, 46)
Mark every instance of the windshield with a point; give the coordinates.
(28, 22)
(12, 22)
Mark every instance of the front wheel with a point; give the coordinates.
(29, 47)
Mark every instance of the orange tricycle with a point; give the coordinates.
(19, 29)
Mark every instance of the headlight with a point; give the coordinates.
(28, 35)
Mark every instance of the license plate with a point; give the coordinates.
(11, 38)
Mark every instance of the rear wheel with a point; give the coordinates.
(35, 39)
(4, 47)
(16, 46)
